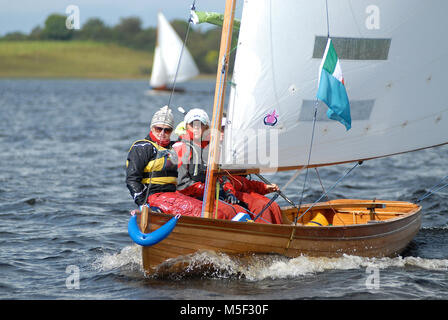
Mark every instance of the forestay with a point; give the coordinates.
(393, 54)
(166, 57)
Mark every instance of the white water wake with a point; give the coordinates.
(129, 258)
(257, 267)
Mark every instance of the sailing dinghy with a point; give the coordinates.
(169, 48)
(395, 77)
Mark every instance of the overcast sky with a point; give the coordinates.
(24, 15)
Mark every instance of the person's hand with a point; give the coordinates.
(272, 188)
(140, 199)
(231, 198)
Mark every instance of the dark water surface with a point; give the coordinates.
(64, 208)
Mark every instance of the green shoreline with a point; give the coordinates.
(74, 59)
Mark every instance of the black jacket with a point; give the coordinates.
(150, 166)
(194, 165)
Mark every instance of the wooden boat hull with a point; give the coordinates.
(372, 239)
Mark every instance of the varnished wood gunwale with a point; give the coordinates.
(377, 239)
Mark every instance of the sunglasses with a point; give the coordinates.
(166, 130)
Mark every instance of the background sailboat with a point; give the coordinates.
(166, 58)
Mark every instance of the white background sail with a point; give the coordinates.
(397, 91)
(166, 57)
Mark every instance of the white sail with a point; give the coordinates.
(393, 55)
(166, 57)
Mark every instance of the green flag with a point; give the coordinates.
(212, 18)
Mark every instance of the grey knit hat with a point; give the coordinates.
(164, 116)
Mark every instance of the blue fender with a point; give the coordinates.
(149, 239)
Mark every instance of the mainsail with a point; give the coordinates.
(166, 57)
(394, 58)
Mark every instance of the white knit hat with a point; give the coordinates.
(164, 116)
(197, 114)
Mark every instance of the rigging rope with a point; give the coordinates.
(433, 190)
(193, 8)
(325, 193)
(309, 157)
(328, 20)
(328, 199)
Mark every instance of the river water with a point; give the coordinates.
(64, 208)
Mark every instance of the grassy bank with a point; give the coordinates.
(72, 59)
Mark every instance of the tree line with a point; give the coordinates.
(203, 45)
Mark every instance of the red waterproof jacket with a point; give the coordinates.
(239, 184)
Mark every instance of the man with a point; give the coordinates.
(150, 167)
(192, 152)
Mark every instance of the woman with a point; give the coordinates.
(192, 153)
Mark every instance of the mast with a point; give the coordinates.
(221, 79)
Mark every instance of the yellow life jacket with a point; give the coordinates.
(162, 169)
